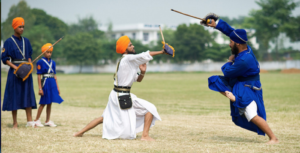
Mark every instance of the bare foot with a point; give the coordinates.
(77, 134)
(273, 141)
(147, 139)
(230, 96)
(15, 126)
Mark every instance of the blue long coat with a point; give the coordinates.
(244, 70)
(18, 94)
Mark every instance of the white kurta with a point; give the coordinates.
(124, 124)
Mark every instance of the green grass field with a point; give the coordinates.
(194, 118)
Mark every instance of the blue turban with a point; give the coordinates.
(239, 36)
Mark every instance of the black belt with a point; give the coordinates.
(249, 78)
(18, 61)
(122, 89)
(48, 75)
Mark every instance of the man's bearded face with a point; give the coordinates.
(130, 49)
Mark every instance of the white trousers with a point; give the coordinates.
(251, 111)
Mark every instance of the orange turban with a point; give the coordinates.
(46, 46)
(18, 21)
(122, 44)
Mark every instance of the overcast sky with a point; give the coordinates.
(136, 11)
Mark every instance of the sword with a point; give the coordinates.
(254, 88)
(208, 20)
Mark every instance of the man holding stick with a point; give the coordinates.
(18, 94)
(120, 121)
(241, 81)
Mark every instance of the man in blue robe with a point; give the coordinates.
(241, 82)
(18, 94)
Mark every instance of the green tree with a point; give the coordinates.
(87, 25)
(19, 10)
(82, 49)
(190, 42)
(293, 29)
(57, 27)
(272, 19)
(108, 51)
(38, 36)
(218, 52)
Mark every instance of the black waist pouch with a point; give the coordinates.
(125, 101)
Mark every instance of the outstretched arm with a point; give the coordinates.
(144, 57)
(153, 53)
(222, 26)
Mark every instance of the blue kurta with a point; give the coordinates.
(50, 88)
(18, 94)
(244, 70)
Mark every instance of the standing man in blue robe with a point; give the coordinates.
(241, 82)
(18, 94)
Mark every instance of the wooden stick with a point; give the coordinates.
(162, 36)
(47, 49)
(188, 15)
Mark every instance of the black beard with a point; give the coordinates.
(128, 52)
(234, 50)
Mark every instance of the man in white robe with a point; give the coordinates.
(125, 123)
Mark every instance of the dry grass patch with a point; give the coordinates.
(176, 133)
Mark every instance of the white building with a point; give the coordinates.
(146, 33)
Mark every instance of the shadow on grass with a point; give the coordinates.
(235, 139)
(10, 125)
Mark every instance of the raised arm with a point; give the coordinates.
(143, 57)
(222, 26)
(143, 68)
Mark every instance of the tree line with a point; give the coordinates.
(85, 44)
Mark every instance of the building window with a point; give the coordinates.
(133, 35)
(113, 36)
(146, 36)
